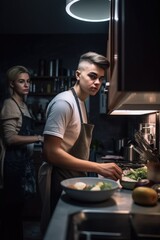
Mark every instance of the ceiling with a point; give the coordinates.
(42, 17)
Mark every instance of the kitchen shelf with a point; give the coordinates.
(47, 86)
(42, 90)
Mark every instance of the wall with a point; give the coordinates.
(109, 128)
(44, 17)
(28, 49)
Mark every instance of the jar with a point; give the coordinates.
(156, 187)
(129, 153)
(153, 171)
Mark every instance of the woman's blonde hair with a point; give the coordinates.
(13, 73)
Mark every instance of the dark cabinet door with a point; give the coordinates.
(135, 37)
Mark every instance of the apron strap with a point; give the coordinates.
(44, 183)
(79, 109)
(17, 106)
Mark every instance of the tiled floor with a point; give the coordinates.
(32, 230)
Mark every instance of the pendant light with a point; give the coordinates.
(89, 10)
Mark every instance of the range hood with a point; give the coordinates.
(137, 103)
(128, 102)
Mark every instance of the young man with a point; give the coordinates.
(67, 132)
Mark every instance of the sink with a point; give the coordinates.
(96, 225)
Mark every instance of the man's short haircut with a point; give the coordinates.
(95, 58)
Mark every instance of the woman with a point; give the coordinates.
(17, 140)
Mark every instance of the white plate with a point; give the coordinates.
(86, 195)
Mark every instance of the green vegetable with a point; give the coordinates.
(102, 185)
(137, 174)
(106, 186)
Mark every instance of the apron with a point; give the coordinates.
(17, 159)
(51, 176)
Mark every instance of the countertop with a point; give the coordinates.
(120, 201)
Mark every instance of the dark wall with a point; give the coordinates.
(110, 128)
(39, 16)
(28, 49)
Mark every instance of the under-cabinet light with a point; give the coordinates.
(132, 112)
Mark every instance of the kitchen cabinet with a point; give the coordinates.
(134, 50)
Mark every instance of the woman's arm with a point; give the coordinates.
(11, 121)
(19, 139)
(11, 136)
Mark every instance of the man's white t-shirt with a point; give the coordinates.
(63, 119)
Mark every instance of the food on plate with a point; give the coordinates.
(96, 187)
(145, 196)
(80, 185)
(134, 174)
(132, 178)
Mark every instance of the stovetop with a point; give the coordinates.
(120, 161)
(130, 165)
(126, 164)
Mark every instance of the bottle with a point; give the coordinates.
(34, 88)
(40, 113)
(129, 153)
(30, 87)
(59, 69)
(42, 67)
(62, 85)
(48, 88)
(51, 67)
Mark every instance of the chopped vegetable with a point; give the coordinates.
(136, 174)
(80, 185)
(95, 188)
(106, 186)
